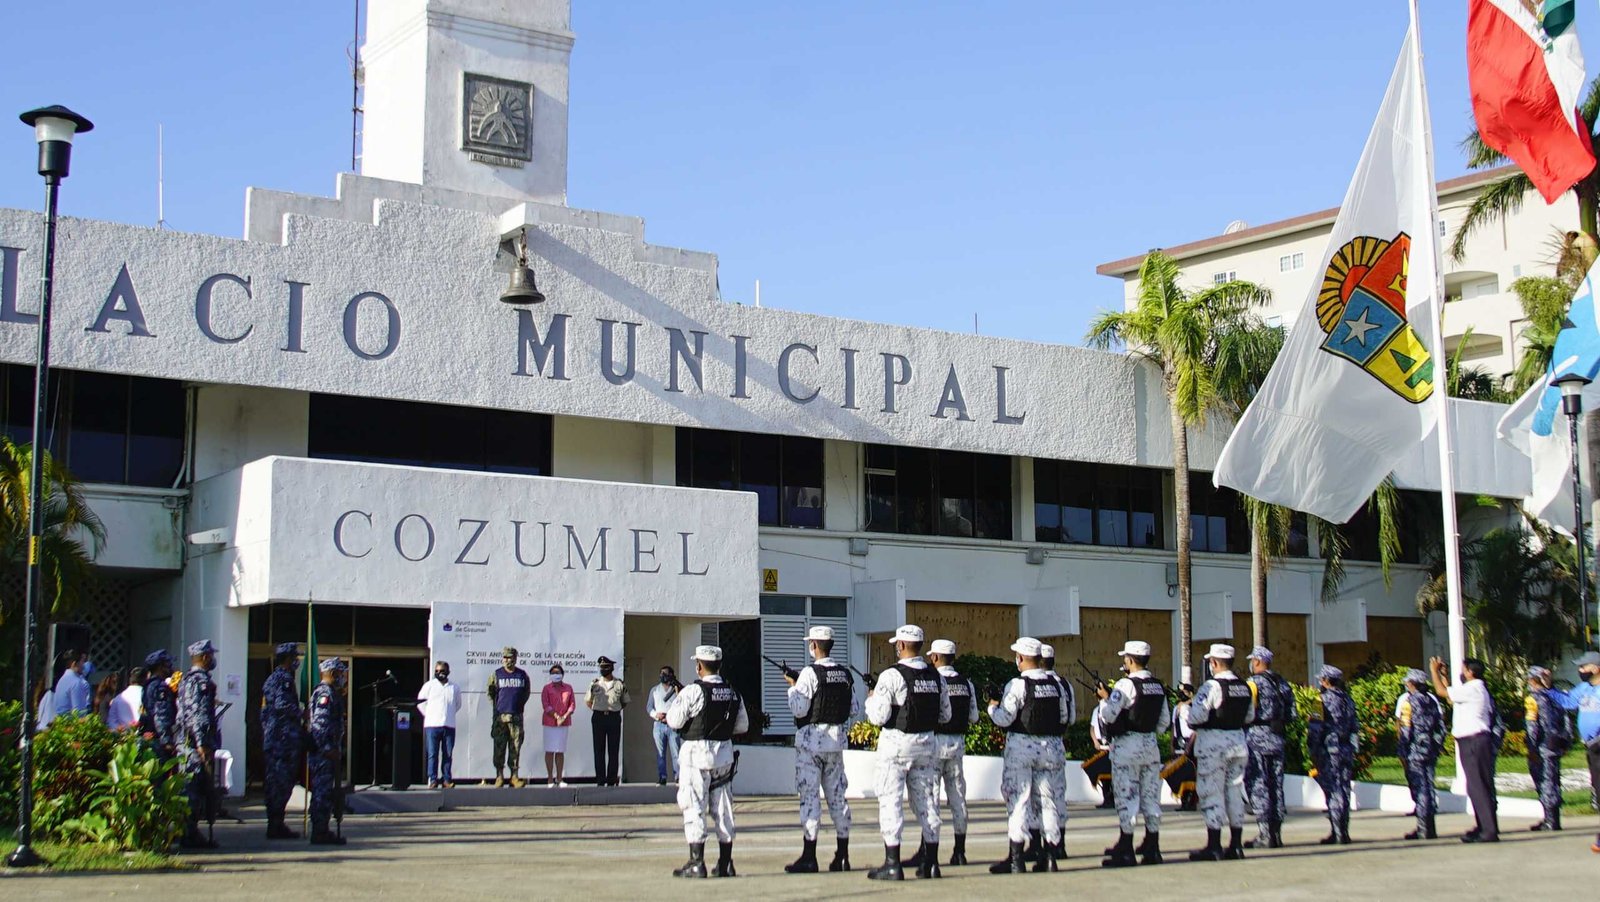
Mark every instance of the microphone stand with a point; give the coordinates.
(388, 677)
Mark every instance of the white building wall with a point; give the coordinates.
(235, 424)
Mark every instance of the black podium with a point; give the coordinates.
(405, 725)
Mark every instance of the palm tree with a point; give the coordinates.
(1504, 196)
(1181, 333)
(66, 564)
(1544, 302)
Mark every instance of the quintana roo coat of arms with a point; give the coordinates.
(1362, 308)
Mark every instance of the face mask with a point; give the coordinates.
(88, 669)
(605, 671)
(666, 680)
(441, 676)
(557, 677)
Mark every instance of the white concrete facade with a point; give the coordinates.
(389, 291)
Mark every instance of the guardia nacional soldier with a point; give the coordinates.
(1047, 663)
(198, 738)
(1420, 721)
(1222, 707)
(1332, 742)
(1132, 714)
(327, 726)
(822, 700)
(1263, 774)
(282, 732)
(159, 723)
(707, 714)
(950, 743)
(1033, 714)
(908, 702)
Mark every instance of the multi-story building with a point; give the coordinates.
(1286, 256)
(338, 413)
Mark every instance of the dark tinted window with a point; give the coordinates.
(783, 472)
(1097, 504)
(127, 430)
(915, 491)
(379, 430)
(1217, 520)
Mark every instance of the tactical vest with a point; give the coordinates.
(1149, 700)
(1040, 714)
(920, 713)
(718, 712)
(1235, 707)
(960, 690)
(830, 702)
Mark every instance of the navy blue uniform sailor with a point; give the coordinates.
(1332, 742)
(707, 714)
(282, 736)
(327, 726)
(1420, 740)
(822, 700)
(198, 737)
(159, 722)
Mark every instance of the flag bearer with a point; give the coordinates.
(327, 726)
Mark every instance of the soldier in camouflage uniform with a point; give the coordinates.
(1420, 734)
(822, 700)
(1132, 714)
(1222, 707)
(282, 737)
(158, 725)
(198, 738)
(1332, 742)
(950, 744)
(909, 701)
(1263, 774)
(1034, 714)
(1047, 663)
(708, 713)
(327, 725)
(1549, 737)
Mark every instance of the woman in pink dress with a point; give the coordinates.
(559, 703)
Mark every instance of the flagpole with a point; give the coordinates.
(1455, 618)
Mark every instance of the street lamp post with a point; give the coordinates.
(54, 127)
(1572, 385)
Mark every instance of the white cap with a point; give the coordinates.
(707, 653)
(1221, 651)
(907, 633)
(1136, 648)
(1027, 647)
(943, 647)
(1046, 651)
(820, 634)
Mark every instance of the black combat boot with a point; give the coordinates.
(1035, 839)
(277, 829)
(1555, 819)
(1045, 860)
(1015, 862)
(1108, 796)
(1121, 854)
(1263, 838)
(890, 869)
(929, 867)
(915, 861)
(1059, 850)
(1332, 839)
(1150, 849)
(1213, 847)
(1276, 836)
(807, 862)
(326, 837)
(696, 865)
(958, 854)
(724, 861)
(1344, 829)
(1235, 850)
(841, 855)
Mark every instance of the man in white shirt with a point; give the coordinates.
(708, 713)
(666, 738)
(128, 706)
(440, 699)
(1472, 724)
(822, 700)
(908, 702)
(1033, 713)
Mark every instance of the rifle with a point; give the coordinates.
(338, 804)
(867, 678)
(1098, 683)
(208, 763)
(725, 779)
(783, 668)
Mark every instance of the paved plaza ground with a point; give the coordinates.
(628, 852)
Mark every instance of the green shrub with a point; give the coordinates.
(65, 758)
(10, 760)
(138, 802)
(863, 735)
(984, 738)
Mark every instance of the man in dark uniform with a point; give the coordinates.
(509, 689)
(1549, 736)
(1332, 743)
(1263, 773)
(159, 723)
(198, 738)
(1420, 738)
(282, 721)
(327, 725)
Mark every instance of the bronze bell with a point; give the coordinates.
(522, 289)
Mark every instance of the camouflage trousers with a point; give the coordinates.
(819, 775)
(1033, 774)
(1136, 780)
(324, 783)
(505, 730)
(696, 798)
(1263, 778)
(1546, 773)
(913, 777)
(1334, 773)
(1419, 777)
(279, 777)
(953, 774)
(1219, 782)
(198, 789)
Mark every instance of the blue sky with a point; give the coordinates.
(909, 163)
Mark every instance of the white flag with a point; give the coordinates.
(1344, 401)
(1536, 425)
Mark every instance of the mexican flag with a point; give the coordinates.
(1527, 78)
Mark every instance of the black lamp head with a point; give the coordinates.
(54, 127)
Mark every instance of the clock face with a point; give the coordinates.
(497, 119)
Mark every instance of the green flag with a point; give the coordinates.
(308, 664)
(1556, 16)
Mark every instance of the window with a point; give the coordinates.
(126, 430)
(409, 433)
(784, 622)
(1219, 278)
(1096, 504)
(784, 472)
(1216, 518)
(1289, 262)
(915, 491)
(1419, 523)
(1441, 228)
